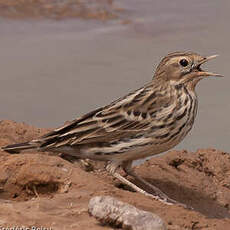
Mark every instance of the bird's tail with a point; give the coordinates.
(17, 148)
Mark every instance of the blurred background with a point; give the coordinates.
(62, 58)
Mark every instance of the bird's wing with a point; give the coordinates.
(121, 119)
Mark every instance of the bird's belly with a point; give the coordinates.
(132, 150)
(143, 152)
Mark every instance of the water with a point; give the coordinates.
(53, 71)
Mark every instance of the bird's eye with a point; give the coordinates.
(183, 62)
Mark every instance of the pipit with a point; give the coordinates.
(146, 122)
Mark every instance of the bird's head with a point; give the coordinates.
(183, 68)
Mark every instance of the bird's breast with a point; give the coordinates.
(172, 122)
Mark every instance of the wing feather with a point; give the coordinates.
(120, 119)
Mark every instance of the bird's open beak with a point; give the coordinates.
(203, 72)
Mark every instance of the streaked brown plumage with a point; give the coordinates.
(146, 122)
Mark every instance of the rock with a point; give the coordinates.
(109, 210)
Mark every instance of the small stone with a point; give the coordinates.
(170, 222)
(111, 211)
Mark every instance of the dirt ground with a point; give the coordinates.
(43, 190)
(59, 9)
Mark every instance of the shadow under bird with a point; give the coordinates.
(146, 122)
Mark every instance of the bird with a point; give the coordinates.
(146, 122)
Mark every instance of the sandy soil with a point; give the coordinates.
(39, 189)
(58, 9)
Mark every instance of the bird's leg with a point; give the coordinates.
(112, 167)
(127, 167)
